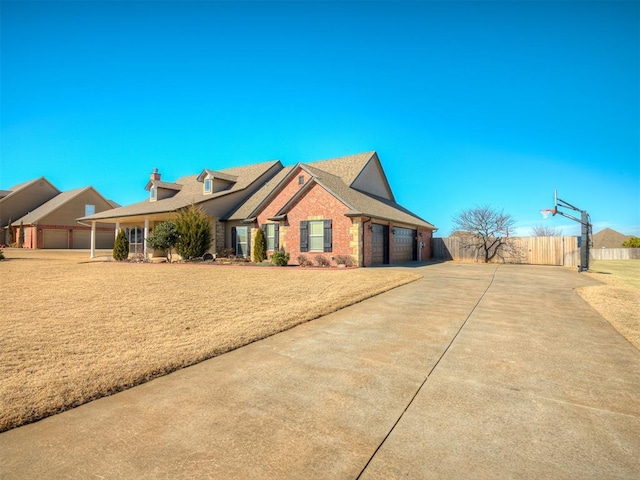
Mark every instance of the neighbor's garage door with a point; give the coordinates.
(104, 240)
(82, 239)
(404, 245)
(380, 244)
(56, 238)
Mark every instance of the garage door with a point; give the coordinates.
(81, 239)
(56, 239)
(404, 245)
(104, 240)
(380, 244)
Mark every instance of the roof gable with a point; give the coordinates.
(373, 180)
(26, 185)
(56, 203)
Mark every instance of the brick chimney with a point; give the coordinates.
(155, 176)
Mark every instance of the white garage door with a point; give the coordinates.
(56, 238)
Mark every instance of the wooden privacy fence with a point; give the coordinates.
(529, 250)
(562, 251)
(615, 254)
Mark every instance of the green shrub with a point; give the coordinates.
(121, 247)
(322, 261)
(1, 255)
(194, 233)
(346, 260)
(633, 242)
(259, 247)
(164, 237)
(280, 258)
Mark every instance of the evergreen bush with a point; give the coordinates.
(1, 255)
(20, 235)
(164, 237)
(194, 233)
(9, 238)
(280, 258)
(121, 247)
(259, 247)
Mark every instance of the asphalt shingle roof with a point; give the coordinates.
(190, 192)
(49, 207)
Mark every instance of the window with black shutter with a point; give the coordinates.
(304, 236)
(327, 240)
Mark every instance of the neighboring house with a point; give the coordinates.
(609, 238)
(53, 224)
(342, 206)
(21, 199)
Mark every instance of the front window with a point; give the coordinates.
(89, 210)
(242, 241)
(271, 236)
(135, 237)
(207, 185)
(316, 239)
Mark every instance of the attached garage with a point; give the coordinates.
(380, 244)
(404, 245)
(55, 238)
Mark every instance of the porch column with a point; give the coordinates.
(117, 229)
(93, 239)
(144, 239)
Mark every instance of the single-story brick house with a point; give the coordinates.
(342, 206)
(48, 216)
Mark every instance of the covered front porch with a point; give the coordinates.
(137, 229)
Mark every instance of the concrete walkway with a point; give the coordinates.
(475, 371)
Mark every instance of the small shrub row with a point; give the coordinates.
(322, 261)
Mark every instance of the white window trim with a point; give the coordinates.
(319, 236)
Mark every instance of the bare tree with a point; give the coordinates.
(545, 231)
(487, 230)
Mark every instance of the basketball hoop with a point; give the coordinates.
(545, 213)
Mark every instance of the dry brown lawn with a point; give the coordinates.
(618, 299)
(73, 330)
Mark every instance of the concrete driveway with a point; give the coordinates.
(475, 371)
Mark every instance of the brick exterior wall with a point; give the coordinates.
(347, 232)
(315, 204)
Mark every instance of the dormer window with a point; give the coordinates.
(301, 180)
(207, 185)
(153, 193)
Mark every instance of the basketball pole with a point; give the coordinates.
(585, 224)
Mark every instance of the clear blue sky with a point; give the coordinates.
(466, 103)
